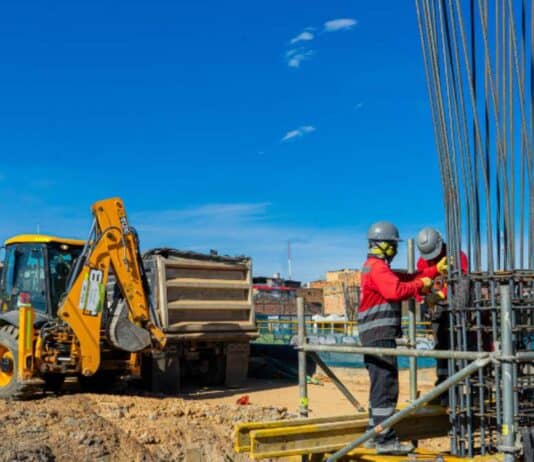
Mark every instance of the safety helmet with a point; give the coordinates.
(383, 231)
(429, 243)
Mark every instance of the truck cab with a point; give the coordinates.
(38, 265)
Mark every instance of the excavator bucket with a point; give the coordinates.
(123, 333)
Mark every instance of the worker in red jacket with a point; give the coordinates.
(433, 249)
(379, 324)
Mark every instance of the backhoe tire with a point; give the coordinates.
(10, 387)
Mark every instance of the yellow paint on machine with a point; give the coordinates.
(25, 343)
(42, 239)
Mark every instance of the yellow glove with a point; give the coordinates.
(442, 266)
(434, 298)
(427, 285)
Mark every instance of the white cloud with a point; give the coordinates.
(335, 25)
(296, 55)
(302, 37)
(299, 132)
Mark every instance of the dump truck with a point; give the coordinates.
(57, 319)
(204, 306)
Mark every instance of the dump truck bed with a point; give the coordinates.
(201, 296)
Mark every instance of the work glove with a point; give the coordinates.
(442, 266)
(427, 285)
(433, 298)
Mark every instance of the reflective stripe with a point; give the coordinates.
(371, 421)
(382, 411)
(443, 371)
(383, 307)
(385, 322)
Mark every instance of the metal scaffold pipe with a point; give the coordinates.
(412, 324)
(508, 425)
(303, 385)
(397, 417)
(441, 354)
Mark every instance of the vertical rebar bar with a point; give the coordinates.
(507, 428)
(303, 385)
(412, 325)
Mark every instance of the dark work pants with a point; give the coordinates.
(440, 331)
(384, 391)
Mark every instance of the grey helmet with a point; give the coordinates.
(383, 231)
(429, 243)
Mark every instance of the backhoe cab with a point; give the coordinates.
(54, 316)
(39, 266)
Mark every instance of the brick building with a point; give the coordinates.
(277, 296)
(341, 291)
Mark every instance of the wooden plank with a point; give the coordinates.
(208, 283)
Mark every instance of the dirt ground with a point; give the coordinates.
(195, 426)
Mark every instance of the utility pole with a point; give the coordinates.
(289, 260)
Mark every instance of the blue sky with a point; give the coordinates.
(233, 125)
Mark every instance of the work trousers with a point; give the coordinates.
(440, 331)
(384, 391)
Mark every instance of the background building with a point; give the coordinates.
(342, 292)
(277, 296)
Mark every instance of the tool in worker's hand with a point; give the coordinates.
(427, 285)
(433, 298)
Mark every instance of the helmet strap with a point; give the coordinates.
(383, 249)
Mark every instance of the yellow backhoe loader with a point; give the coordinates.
(55, 319)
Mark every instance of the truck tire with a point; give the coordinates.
(10, 386)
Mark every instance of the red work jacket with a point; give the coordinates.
(382, 290)
(441, 282)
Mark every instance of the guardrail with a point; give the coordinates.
(289, 327)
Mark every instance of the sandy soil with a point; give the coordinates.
(195, 426)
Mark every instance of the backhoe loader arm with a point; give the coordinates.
(113, 245)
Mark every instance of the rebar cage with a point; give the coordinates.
(478, 59)
(476, 404)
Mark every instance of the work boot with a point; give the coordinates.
(394, 447)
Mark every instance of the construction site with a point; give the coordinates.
(110, 352)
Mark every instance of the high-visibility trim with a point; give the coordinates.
(385, 322)
(382, 411)
(373, 311)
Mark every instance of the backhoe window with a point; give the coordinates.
(25, 272)
(60, 260)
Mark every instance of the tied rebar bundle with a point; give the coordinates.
(479, 66)
(478, 59)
